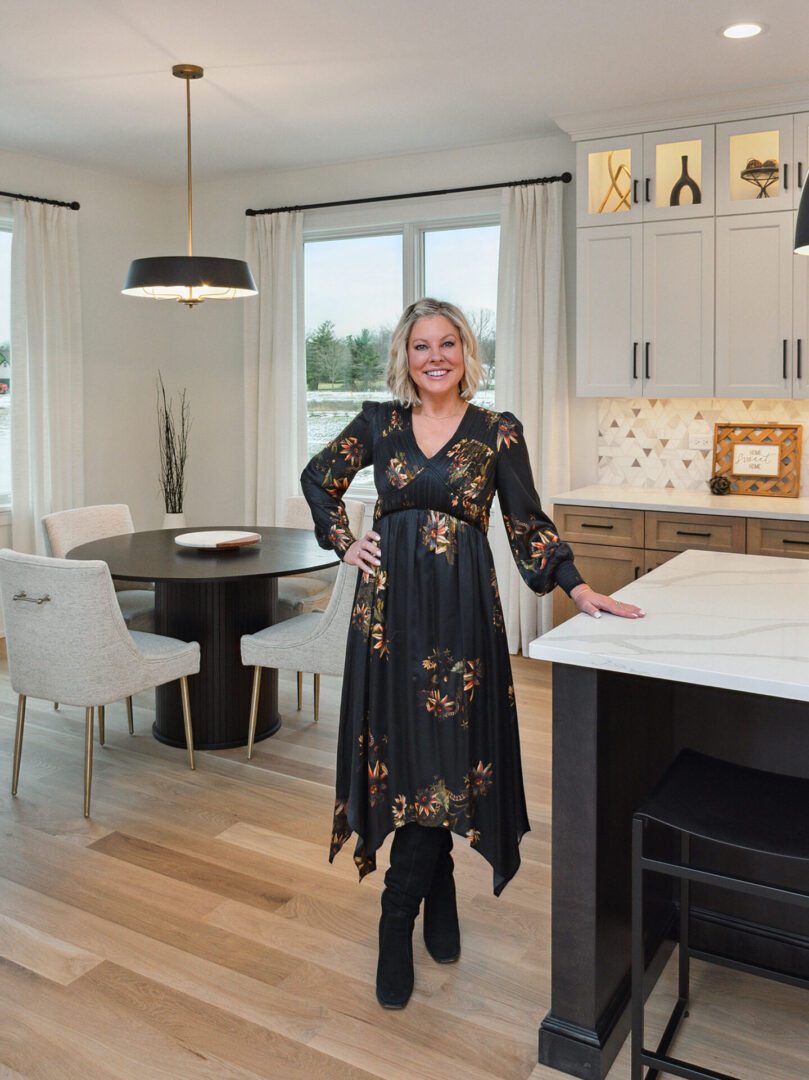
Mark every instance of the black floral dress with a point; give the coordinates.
(428, 723)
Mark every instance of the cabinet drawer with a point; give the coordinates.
(599, 525)
(653, 559)
(605, 569)
(678, 532)
(788, 539)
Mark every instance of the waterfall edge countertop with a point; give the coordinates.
(691, 502)
(740, 622)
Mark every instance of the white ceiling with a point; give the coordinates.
(308, 82)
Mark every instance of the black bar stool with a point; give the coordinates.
(728, 804)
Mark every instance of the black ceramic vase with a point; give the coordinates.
(684, 182)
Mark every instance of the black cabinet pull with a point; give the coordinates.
(594, 525)
(647, 182)
(637, 572)
(646, 359)
(635, 355)
(786, 176)
(799, 358)
(784, 357)
(800, 174)
(701, 535)
(803, 543)
(635, 191)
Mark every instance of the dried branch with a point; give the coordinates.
(173, 444)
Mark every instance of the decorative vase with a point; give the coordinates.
(174, 521)
(685, 181)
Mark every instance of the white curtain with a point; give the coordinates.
(274, 367)
(47, 429)
(532, 373)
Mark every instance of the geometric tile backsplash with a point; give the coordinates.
(643, 442)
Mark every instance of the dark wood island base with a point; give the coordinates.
(614, 735)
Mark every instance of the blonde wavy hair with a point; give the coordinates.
(397, 375)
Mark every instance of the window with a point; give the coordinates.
(5, 364)
(356, 285)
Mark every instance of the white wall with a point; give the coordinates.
(126, 339)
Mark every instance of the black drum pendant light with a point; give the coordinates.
(802, 224)
(190, 278)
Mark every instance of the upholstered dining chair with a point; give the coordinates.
(314, 641)
(67, 641)
(301, 593)
(67, 529)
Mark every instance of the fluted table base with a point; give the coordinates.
(216, 614)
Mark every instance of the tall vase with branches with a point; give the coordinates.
(173, 442)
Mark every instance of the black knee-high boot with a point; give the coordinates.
(413, 856)
(442, 934)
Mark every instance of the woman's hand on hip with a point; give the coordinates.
(593, 603)
(364, 553)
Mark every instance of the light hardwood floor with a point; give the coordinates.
(193, 928)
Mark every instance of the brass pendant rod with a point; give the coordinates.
(188, 128)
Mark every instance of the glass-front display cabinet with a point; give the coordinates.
(678, 173)
(755, 170)
(608, 181)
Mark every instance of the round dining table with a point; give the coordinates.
(213, 596)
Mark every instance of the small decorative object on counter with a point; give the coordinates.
(719, 485)
(684, 182)
(173, 442)
(761, 173)
(758, 459)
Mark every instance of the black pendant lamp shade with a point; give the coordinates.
(190, 278)
(802, 225)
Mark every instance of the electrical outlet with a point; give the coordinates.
(699, 441)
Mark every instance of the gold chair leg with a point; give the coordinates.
(102, 731)
(129, 716)
(300, 690)
(317, 697)
(189, 731)
(88, 758)
(251, 727)
(15, 772)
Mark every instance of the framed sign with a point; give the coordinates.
(759, 459)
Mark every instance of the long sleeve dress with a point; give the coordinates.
(428, 723)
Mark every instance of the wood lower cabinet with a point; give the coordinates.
(787, 539)
(707, 532)
(614, 547)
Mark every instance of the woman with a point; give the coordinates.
(428, 742)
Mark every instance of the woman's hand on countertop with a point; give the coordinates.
(593, 603)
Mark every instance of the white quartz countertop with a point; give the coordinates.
(714, 619)
(694, 502)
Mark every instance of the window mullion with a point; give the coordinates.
(412, 263)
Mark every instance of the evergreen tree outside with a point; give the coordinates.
(367, 366)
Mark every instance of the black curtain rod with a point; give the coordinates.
(565, 178)
(38, 198)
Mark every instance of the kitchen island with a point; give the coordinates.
(719, 664)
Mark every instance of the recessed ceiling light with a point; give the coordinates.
(742, 30)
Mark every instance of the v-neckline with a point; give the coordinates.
(441, 450)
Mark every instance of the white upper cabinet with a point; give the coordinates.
(754, 296)
(678, 174)
(678, 308)
(755, 169)
(608, 181)
(800, 322)
(609, 311)
(801, 155)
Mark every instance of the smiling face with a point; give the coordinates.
(435, 357)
